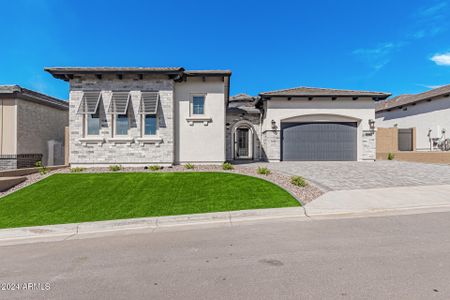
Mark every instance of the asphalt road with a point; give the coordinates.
(397, 257)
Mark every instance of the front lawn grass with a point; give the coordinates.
(73, 198)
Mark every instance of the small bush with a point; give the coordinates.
(298, 181)
(115, 168)
(42, 169)
(189, 166)
(263, 171)
(77, 170)
(227, 166)
(390, 156)
(154, 168)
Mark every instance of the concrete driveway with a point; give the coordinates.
(365, 175)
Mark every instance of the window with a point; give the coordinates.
(150, 125)
(89, 108)
(122, 124)
(198, 105)
(93, 124)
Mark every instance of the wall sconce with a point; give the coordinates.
(227, 125)
(274, 124)
(371, 124)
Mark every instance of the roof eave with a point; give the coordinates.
(67, 73)
(377, 97)
(26, 94)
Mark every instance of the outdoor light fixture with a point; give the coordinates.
(371, 123)
(274, 124)
(227, 125)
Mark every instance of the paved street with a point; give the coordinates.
(397, 257)
(365, 175)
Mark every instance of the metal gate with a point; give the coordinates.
(319, 141)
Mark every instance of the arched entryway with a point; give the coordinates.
(243, 140)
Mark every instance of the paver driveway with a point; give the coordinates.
(365, 175)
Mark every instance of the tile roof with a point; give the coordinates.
(322, 92)
(406, 99)
(26, 94)
(242, 97)
(63, 72)
(207, 72)
(113, 69)
(243, 103)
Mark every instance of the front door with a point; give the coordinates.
(242, 142)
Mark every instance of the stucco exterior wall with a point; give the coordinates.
(37, 124)
(200, 141)
(112, 152)
(319, 110)
(8, 127)
(434, 115)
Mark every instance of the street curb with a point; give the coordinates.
(317, 214)
(51, 233)
(35, 234)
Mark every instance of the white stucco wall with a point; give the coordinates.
(319, 110)
(200, 142)
(434, 115)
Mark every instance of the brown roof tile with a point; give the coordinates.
(322, 92)
(406, 99)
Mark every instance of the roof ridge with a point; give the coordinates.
(433, 90)
(320, 88)
(407, 99)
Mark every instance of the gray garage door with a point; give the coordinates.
(318, 141)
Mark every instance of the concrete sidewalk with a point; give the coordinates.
(383, 199)
(334, 204)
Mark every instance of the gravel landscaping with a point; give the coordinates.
(304, 194)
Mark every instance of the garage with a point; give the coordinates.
(334, 141)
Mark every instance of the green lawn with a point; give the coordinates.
(72, 198)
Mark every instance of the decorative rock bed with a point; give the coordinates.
(305, 194)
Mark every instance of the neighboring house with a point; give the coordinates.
(428, 113)
(143, 116)
(30, 123)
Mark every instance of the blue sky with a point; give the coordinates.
(393, 46)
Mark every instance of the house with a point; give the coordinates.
(422, 119)
(142, 116)
(31, 128)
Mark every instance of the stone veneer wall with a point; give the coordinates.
(232, 118)
(8, 162)
(20, 161)
(369, 145)
(132, 153)
(272, 146)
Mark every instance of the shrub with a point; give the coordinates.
(263, 171)
(154, 168)
(115, 168)
(42, 169)
(227, 166)
(390, 156)
(189, 166)
(298, 181)
(77, 170)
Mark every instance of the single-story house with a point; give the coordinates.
(425, 115)
(143, 116)
(31, 128)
